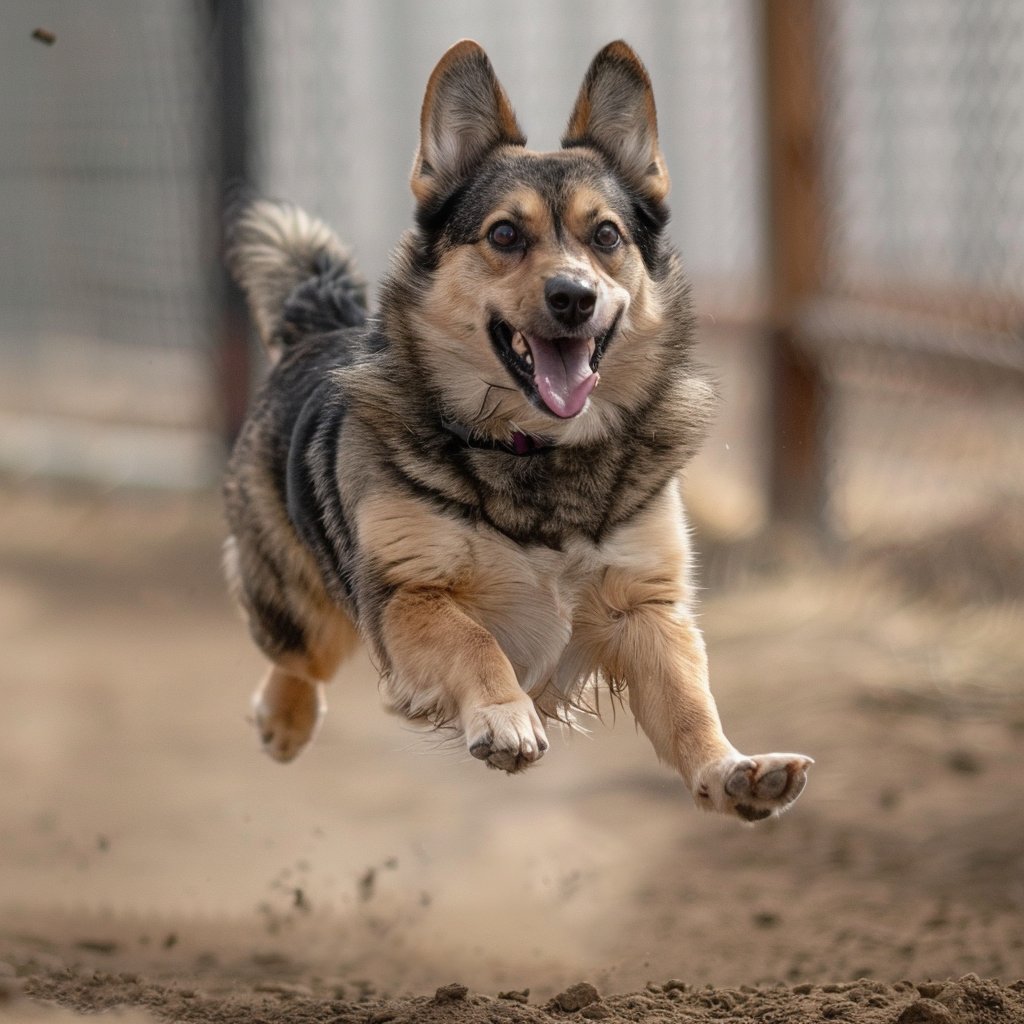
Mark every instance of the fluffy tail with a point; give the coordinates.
(298, 278)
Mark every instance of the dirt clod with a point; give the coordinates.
(576, 997)
(516, 996)
(925, 1011)
(451, 993)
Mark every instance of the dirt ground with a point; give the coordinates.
(151, 857)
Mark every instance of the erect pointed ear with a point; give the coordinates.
(465, 115)
(615, 114)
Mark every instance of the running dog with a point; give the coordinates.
(481, 482)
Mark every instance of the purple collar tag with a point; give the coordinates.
(521, 444)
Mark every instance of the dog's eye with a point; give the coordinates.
(504, 235)
(607, 236)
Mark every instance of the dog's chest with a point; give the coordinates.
(527, 599)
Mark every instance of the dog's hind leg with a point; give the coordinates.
(447, 667)
(287, 708)
(290, 702)
(305, 635)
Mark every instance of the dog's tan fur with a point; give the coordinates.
(489, 605)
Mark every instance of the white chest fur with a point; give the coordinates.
(527, 598)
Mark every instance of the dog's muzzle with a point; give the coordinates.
(559, 373)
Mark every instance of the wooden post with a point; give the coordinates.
(798, 403)
(229, 134)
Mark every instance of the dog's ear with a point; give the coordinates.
(615, 114)
(465, 115)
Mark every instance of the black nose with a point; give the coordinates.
(571, 302)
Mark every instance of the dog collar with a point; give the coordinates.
(521, 444)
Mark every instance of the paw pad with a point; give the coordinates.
(754, 788)
(508, 737)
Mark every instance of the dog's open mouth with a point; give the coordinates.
(560, 372)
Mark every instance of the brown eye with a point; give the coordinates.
(504, 235)
(607, 236)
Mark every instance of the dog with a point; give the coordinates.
(482, 481)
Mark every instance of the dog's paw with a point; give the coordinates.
(753, 788)
(507, 736)
(287, 711)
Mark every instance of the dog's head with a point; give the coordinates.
(532, 277)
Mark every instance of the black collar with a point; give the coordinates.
(520, 444)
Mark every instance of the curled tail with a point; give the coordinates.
(298, 278)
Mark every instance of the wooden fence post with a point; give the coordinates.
(797, 490)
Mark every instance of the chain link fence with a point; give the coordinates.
(106, 299)
(119, 361)
(112, 337)
(920, 322)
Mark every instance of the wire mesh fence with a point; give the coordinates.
(106, 299)
(113, 337)
(921, 318)
(113, 333)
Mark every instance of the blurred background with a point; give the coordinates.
(848, 196)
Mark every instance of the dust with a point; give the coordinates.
(153, 863)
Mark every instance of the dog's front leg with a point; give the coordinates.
(446, 666)
(648, 641)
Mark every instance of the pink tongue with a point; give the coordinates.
(562, 371)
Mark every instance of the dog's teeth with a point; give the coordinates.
(521, 347)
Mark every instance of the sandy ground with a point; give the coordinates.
(152, 856)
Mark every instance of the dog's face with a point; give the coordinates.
(542, 274)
